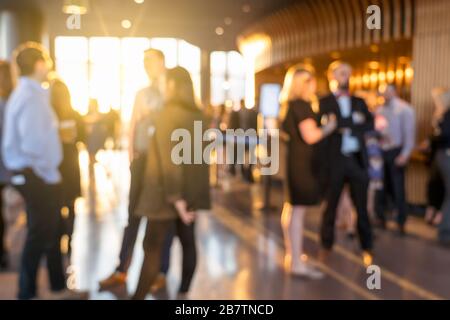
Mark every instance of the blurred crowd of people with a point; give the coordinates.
(40, 159)
(339, 152)
(350, 156)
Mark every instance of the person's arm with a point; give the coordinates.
(8, 136)
(367, 122)
(132, 127)
(312, 134)
(408, 132)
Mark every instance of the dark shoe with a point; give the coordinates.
(4, 262)
(160, 283)
(401, 230)
(381, 224)
(115, 280)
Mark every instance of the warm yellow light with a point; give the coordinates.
(374, 77)
(399, 74)
(367, 259)
(220, 31)
(352, 81)
(366, 79)
(139, 1)
(390, 75)
(75, 6)
(409, 73)
(374, 64)
(126, 24)
(111, 69)
(72, 9)
(254, 46)
(357, 80)
(382, 76)
(251, 48)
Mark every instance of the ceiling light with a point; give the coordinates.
(220, 31)
(126, 24)
(139, 1)
(75, 6)
(228, 21)
(246, 8)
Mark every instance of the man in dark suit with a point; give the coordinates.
(346, 156)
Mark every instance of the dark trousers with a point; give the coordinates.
(435, 187)
(137, 169)
(2, 226)
(394, 185)
(347, 170)
(155, 238)
(43, 235)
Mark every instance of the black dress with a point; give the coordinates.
(302, 172)
(70, 165)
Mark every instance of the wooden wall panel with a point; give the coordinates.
(314, 27)
(387, 20)
(359, 24)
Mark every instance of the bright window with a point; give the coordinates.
(227, 77)
(111, 69)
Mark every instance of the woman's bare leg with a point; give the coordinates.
(292, 222)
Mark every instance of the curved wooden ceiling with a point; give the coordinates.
(313, 27)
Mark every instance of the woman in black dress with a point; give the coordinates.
(71, 132)
(301, 125)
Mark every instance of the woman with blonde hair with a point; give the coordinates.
(441, 142)
(301, 125)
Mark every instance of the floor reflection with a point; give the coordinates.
(240, 248)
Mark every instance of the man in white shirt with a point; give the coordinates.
(398, 139)
(31, 149)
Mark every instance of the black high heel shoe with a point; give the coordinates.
(4, 262)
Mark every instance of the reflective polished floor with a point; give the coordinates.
(240, 248)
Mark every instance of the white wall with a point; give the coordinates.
(8, 34)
